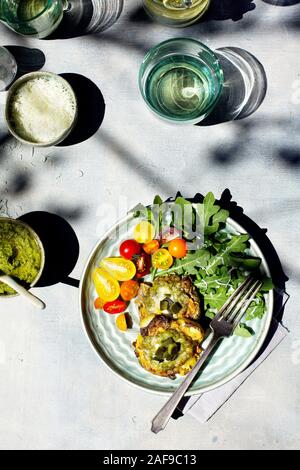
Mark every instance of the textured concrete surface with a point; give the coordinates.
(54, 391)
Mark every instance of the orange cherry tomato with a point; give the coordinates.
(162, 259)
(99, 303)
(117, 306)
(151, 247)
(178, 248)
(129, 290)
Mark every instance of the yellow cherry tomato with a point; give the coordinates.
(144, 232)
(162, 259)
(121, 322)
(121, 269)
(106, 286)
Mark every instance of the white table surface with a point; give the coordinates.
(54, 391)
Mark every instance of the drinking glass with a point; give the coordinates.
(181, 80)
(178, 13)
(8, 68)
(37, 18)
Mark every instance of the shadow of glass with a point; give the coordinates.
(245, 86)
(221, 10)
(28, 59)
(61, 247)
(91, 109)
(282, 3)
(140, 16)
(88, 17)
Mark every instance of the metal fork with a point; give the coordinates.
(222, 326)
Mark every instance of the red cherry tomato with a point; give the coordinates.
(117, 306)
(178, 248)
(129, 249)
(143, 265)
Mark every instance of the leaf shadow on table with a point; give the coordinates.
(91, 109)
(279, 278)
(61, 247)
(244, 89)
(86, 17)
(248, 135)
(28, 59)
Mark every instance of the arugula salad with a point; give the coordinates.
(217, 259)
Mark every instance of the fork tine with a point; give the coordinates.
(244, 304)
(237, 298)
(238, 292)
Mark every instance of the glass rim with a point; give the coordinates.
(34, 17)
(220, 81)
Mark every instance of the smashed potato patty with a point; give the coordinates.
(176, 290)
(169, 347)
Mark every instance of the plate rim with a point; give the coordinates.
(269, 313)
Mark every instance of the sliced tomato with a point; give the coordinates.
(169, 234)
(99, 303)
(106, 286)
(143, 265)
(151, 247)
(129, 290)
(121, 269)
(178, 248)
(117, 306)
(162, 259)
(144, 232)
(121, 322)
(130, 248)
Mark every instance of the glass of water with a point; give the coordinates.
(178, 13)
(8, 68)
(181, 80)
(37, 18)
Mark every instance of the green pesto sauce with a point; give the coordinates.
(20, 255)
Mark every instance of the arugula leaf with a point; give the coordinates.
(237, 243)
(210, 214)
(244, 331)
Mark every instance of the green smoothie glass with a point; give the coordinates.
(181, 80)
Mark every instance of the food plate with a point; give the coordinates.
(115, 348)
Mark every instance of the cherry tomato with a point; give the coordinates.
(121, 322)
(162, 259)
(178, 248)
(143, 265)
(151, 247)
(130, 248)
(144, 232)
(106, 286)
(129, 290)
(99, 303)
(117, 306)
(121, 269)
(169, 234)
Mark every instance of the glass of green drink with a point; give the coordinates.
(181, 80)
(37, 18)
(177, 13)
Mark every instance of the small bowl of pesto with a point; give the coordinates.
(22, 255)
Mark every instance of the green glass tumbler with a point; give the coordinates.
(36, 18)
(181, 80)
